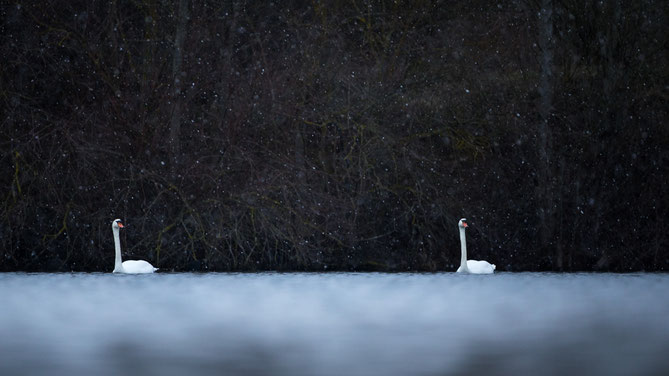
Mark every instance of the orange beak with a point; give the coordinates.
(120, 224)
(464, 224)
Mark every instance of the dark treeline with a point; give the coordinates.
(347, 135)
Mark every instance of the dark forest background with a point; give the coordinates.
(334, 135)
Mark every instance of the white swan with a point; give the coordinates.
(471, 266)
(130, 266)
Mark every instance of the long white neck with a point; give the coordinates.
(118, 263)
(463, 250)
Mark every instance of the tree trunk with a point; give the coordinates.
(545, 106)
(177, 97)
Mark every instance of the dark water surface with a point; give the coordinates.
(334, 324)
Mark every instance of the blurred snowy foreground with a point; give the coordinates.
(334, 324)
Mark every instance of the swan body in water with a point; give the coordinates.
(130, 266)
(471, 266)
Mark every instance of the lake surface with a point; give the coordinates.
(334, 324)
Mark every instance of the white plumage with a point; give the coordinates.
(471, 266)
(130, 266)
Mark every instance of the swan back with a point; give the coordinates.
(480, 267)
(137, 267)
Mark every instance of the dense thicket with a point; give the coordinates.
(339, 135)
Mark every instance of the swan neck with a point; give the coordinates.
(118, 263)
(463, 249)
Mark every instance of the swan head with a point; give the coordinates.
(117, 224)
(462, 223)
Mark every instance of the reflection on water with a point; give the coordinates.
(334, 324)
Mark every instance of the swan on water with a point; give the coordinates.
(471, 266)
(130, 266)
